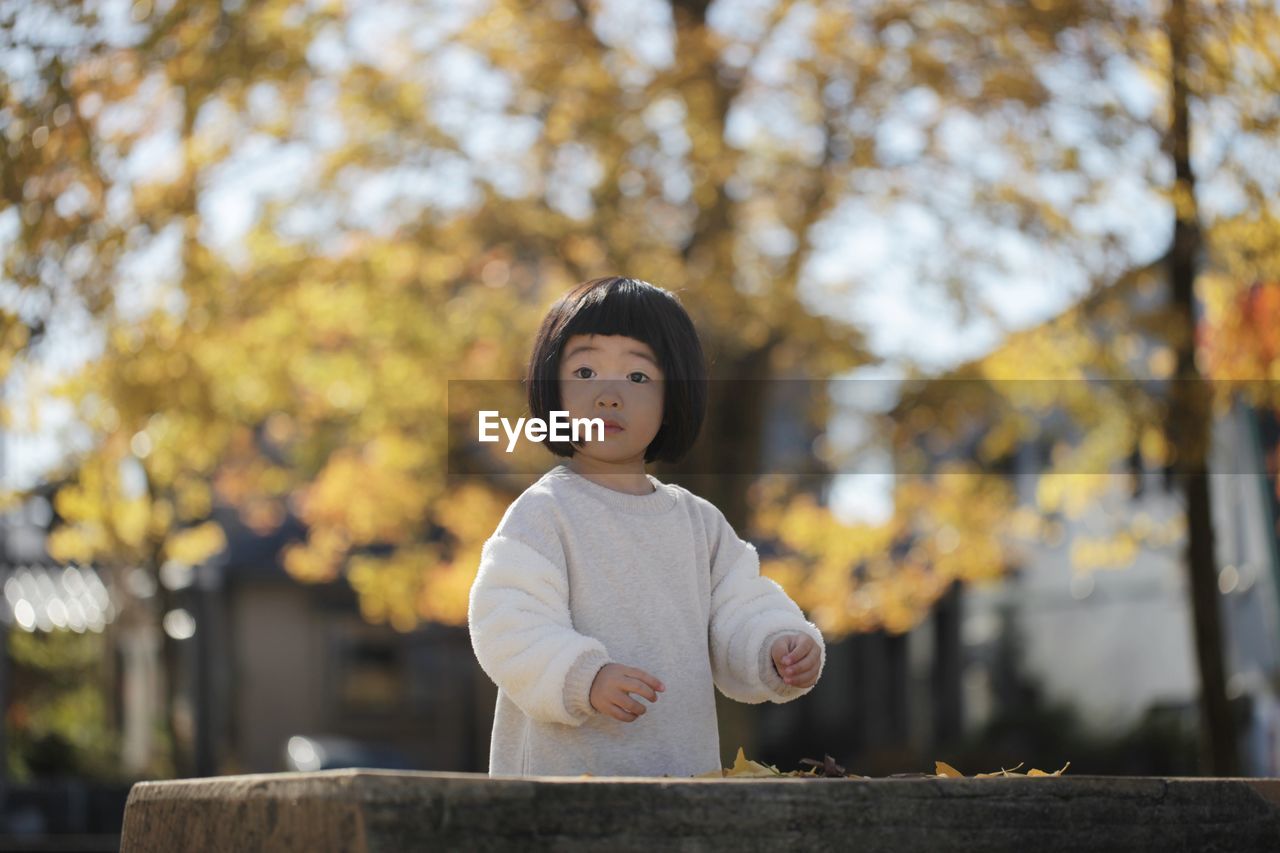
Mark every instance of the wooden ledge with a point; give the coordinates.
(382, 810)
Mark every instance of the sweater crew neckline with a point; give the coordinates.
(660, 500)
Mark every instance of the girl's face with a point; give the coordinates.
(616, 379)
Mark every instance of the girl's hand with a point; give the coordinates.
(796, 657)
(610, 692)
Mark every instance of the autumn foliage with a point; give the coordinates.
(433, 181)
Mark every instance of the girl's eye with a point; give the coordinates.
(643, 378)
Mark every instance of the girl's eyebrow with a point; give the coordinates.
(588, 348)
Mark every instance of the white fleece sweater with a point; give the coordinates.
(578, 575)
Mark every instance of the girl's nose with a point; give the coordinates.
(609, 396)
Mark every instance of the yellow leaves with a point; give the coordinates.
(160, 520)
(946, 771)
(1025, 357)
(1034, 772)
(586, 252)
(389, 587)
(319, 559)
(1014, 84)
(807, 527)
(373, 492)
(194, 545)
(446, 587)
(194, 498)
(1070, 494)
(108, 513)
(1154, 447)
(960, 516)
(743, 768)
(844, 574)
(75, 543)
(1162, 362)
(471, 512)
(418, 582)
(929, 69)
(14, 337)
(1115, 552)
(1249, 252)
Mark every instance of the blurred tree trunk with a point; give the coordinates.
(725, 458)
(177, 721)
(1189, 421)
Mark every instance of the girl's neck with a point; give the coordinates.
(628, 477)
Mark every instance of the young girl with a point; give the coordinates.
(602, 584)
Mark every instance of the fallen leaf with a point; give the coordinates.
(827, 767)
(743, 767)
(1035, 772)
(944, 769)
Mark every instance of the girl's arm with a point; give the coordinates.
(523, 636)
(748, 613)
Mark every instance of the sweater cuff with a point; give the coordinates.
(769, 675)
(577, 684)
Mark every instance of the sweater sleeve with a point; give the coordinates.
(748, 613)
(523, 636)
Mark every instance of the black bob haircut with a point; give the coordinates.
(626, 306)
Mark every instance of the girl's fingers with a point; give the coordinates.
(799, 680)
(810, 660)
(644, 677)
(635, 685)
(804, 671)
(802, 648)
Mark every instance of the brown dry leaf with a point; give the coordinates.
(827, 768)
(942, 768)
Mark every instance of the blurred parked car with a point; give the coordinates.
(326, 752)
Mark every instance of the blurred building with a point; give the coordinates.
(1115, 645)
(290, 676)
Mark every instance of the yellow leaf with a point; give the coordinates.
(1035, 772)
(68, 544)
(942, 768)
(744, 767)
(195, 544)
